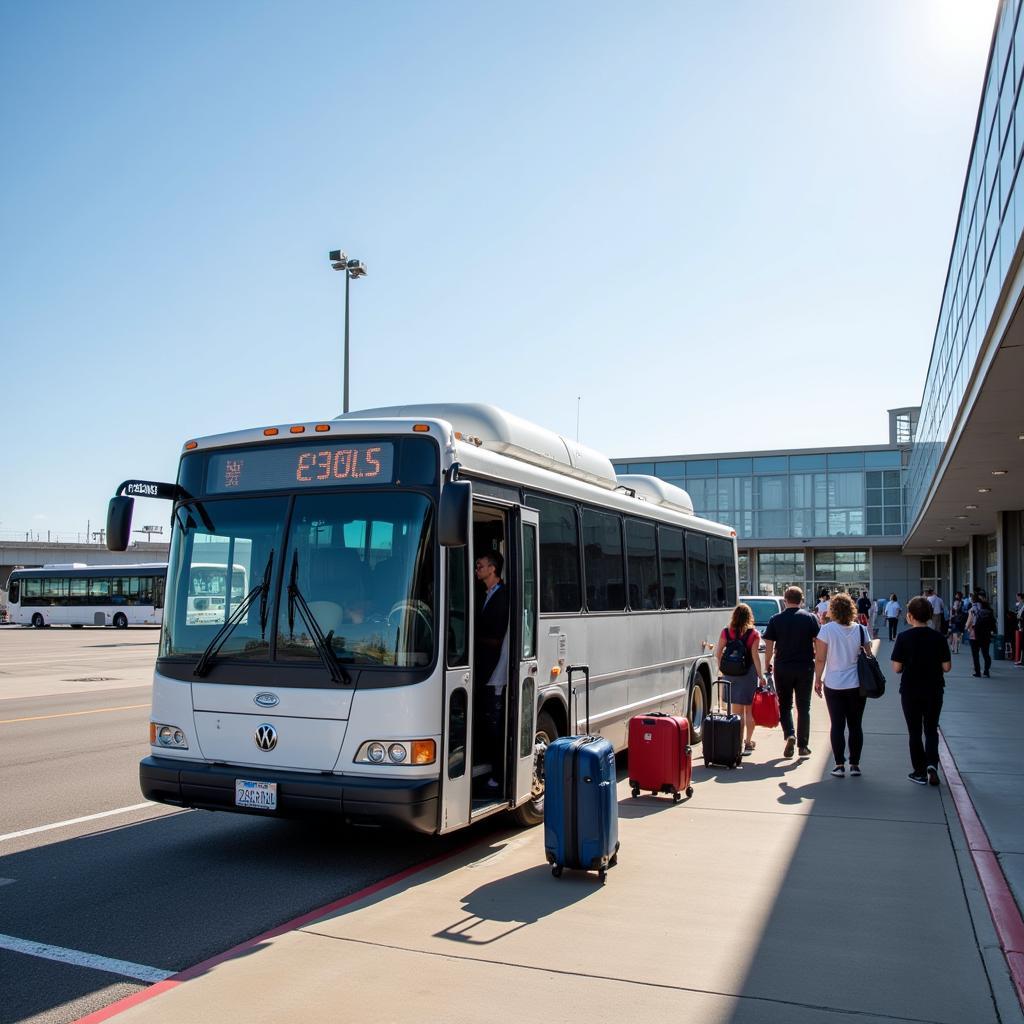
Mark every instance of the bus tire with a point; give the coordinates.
(120, 621)
(698, 703)
(532, 812)
(76, 625)
(37, 621)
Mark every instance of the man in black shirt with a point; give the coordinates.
(789, 638)
(922, 655)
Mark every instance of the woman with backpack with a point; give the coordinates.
(836, 648)
(739, 662)
(981, 624)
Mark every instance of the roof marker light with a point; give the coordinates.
(270, 432)
(296, 430)
(421, 428)
(189, 445)
(322, 428)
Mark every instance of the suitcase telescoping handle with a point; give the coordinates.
(727, 682)
(585, 669)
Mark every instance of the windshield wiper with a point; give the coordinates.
(322, 643)
(238, 615)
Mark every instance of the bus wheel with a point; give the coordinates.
(76, 625)
(532, 812)
(697, 709)
(37, 621)
(120, 621)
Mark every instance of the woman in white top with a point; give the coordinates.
(821, 608)
(892, 615)
(836, 648)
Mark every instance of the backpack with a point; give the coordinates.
(736, 659)
(984, 622)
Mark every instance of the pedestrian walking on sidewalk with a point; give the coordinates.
(957, 621)
(922, 656)
(837, 646)
(864, 604)
(937, 607)
(981, 624)
(739, 661)
(821, 608)
(789, 642)
(892, 615)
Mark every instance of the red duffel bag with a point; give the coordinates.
(765, 707)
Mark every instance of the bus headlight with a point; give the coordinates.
(397, 752)
(161, 735)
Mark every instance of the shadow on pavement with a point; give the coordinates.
(499, 908)
(862, 909)
(173, 891)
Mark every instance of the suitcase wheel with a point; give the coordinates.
(707, 763)
(689, 791)
(614, 859)
(636, 791)
(557, 871)
(602, 875)
(676, 797)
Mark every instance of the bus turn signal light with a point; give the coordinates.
(423, 751)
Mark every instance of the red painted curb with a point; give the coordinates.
(294, 924)
(1002, 906)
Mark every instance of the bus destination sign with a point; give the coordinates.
(335, 464)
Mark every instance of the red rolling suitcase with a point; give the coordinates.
(660, 758)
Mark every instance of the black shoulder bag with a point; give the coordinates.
(869, 672)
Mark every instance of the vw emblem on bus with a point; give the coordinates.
(266, 737)
(267, 700)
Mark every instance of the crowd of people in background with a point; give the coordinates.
(819, 651)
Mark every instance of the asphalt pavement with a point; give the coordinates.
(776, 894)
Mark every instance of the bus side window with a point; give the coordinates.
(673, 567)
(697, 566)
(14, 593)
(458, 646)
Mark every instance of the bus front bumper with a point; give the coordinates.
(410, 804)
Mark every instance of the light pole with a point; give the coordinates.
(353, 269)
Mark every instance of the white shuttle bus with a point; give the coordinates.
(343, 681)
(77, 595)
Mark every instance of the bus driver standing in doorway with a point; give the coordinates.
(490, 666)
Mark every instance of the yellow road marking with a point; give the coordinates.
(72, 714)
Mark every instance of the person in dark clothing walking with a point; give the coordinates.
(981, 624)
(921, 654)
(789, 638)
(490, 665)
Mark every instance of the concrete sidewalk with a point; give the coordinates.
(776, 894)
(983, 722)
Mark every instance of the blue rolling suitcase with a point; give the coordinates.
(581, 810)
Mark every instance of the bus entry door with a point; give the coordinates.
(456, 767)
(523, 691)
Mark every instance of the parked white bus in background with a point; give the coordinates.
(209, 597)
(343, 682)
(88, 595)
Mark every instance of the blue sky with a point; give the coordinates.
(724, 225)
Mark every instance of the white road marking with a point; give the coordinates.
(79, 959)
(75, 821)
(7, 881)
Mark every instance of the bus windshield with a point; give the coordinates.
(364, 565)
(360, 563)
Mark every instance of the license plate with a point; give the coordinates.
(260, 795)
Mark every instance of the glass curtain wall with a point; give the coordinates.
(836, 494)
(989, 227)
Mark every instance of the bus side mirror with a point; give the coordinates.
(453, 514)
(119, 523)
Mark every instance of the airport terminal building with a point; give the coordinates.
(941, 504)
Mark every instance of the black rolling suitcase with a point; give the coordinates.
(722, 737)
